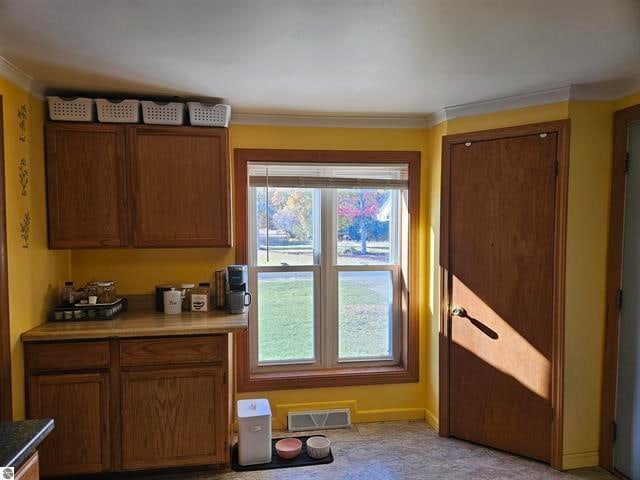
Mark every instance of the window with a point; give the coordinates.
(324, 256)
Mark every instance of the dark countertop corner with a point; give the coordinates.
(18, 440)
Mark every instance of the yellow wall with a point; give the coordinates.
(434, 142)
(589, 183)
(587, 232)
(137, 271)
(34, 272)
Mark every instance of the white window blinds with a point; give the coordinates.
(327, 175)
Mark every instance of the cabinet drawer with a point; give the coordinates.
(168, 351)
(44, 357)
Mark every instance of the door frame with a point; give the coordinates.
(622, 120)
(6, 408)
(562, 129)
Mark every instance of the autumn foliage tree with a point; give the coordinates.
(359, 207)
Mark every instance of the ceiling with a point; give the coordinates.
(322, 56)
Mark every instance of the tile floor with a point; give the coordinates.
(407, 451)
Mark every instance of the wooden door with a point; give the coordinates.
(501, 279)
(79, 405)
(174, 417)
(86, 187)
(180, 186)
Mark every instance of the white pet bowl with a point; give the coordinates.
(318, 447)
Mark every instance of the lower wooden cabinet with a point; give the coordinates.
(151, 411)
(30, 470)
(169, 417)
(79, 405)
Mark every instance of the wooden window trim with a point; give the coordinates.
(622, 121)
(562, 128)
(6, 409)
(407, 370)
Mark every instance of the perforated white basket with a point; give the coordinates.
(71, 109)
(209, 115)
(161, 113)
(118, 111)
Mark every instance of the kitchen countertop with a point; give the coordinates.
(18, 440)
(140, 324)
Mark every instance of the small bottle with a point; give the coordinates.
(65, 294)
(186, 296)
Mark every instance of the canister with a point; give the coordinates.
(173, 301)
(254, 431)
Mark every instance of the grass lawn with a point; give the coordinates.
(285, 315)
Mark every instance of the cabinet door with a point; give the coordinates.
(174, 417)
(86, 186)
(30, 470)
(180, 186)
(79, 405)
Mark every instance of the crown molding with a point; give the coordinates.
(533, 99)
(15, 75)
(336, 121)
(606, 91)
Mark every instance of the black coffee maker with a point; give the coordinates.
(238, 298)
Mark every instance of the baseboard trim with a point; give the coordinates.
(388, 415)
(580, 460)
(280, 412)
(432, 419)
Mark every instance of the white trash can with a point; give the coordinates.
(254, 431)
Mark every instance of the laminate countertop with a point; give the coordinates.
(140, 324)
(18, 440)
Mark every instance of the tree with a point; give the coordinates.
(289, 210)
(359, 207)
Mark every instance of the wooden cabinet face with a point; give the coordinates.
(173, 417)
(30, 470)
(79, 405)
(86, 186)
(180, 187)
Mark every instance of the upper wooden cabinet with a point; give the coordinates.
(86, 186)
(179, 186)
(144, 186)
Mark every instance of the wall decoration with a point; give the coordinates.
(22, 122)
(25, 229)
(23, 176)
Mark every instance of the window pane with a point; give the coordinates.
(285, 316)
(290, 216)
(364, 221)
(365, 319)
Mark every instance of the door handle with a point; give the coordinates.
(459, 312)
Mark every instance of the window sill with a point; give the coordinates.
(325, 378)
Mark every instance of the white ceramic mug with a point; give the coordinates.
(173, 301)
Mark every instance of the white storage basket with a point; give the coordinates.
(118, 111)
(209, 115)
(74, 109)
(161, 113)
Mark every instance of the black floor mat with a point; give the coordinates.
(302, 460)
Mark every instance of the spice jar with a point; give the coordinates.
(186, 295)
(66, 293)
(106, 292)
